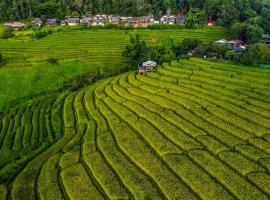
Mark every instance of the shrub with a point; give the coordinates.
(256, 54)
(41, 33)
(188, 45)
(7, 33)
(253, 33)
(52, 60)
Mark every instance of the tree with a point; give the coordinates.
(196, 17)
(237, 31)
(188, 45)
(166, 50)
(137, 52)
(247, 14)
(265, 18)
(253, 33)
(212, 8)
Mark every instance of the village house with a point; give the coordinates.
(222, 42)
(147, 20)
(180, 20)
(86, 21)
(98, 20)
(146, 67)
(131, 20)
(236, 45)
(63, 22)
(266, 39)
(124, 20)
(134, 21)
(15, 26)
(211, 22)
(167, 19)
(36, 22)
(114, 19)
(51, 22)
(73, 21)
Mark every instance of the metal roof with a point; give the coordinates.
(149, 63)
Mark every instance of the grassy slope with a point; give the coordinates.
(27, 73)
(195, 129)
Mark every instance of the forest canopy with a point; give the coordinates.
(224, 10)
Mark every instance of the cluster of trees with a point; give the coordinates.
(168, 50)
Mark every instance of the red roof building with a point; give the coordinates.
(211, 22)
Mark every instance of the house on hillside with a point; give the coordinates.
(147, 20)
(146, 67)
(114, 19)
(98, 20)
(63, 22)
(266, 39)
(235, 43)
(180, 20)
(15, 26)
(86, 21)
(51, 22)
(211, 22)
(36, 22)
(167, 19)
(134, 21)
(239, 49)
(237, 46)
(124, 20)
(221, 42)
(73, 21)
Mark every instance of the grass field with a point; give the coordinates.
(194, 129)
(27, 71)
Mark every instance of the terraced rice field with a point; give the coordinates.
(192, 130)
(27, 72)
(103, 47)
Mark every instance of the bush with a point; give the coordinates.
(256, 54)
(7, 33)
(41, 33)
(253, 33)
(189, 44)
(52, 60)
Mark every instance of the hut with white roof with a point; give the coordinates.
(146, 67)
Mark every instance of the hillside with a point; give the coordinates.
(194, 129)
(27, 71)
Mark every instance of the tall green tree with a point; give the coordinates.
(196, 17)
(265, 17)
(253, 33)
(136, 53)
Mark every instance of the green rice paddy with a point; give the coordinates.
(26, 71)
(195, 129)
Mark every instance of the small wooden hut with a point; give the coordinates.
(146, 67)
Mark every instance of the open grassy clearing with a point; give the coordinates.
(27, 71)
(190, 130)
